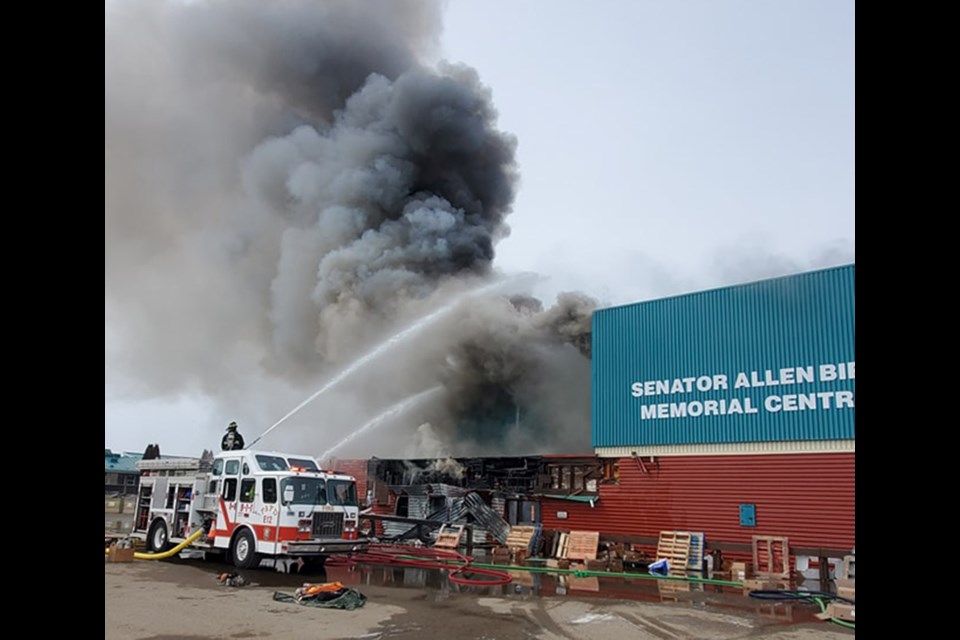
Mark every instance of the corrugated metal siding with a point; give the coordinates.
(796, 321)
(809, 498)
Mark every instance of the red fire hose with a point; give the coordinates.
(425, 558)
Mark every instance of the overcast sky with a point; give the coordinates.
(664, 147)
(669, 146)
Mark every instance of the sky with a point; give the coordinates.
(670, 146)
(663, 147)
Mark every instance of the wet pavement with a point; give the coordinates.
(434, 586)
(167, 600)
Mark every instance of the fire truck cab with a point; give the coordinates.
(250, 504)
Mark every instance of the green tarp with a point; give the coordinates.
(347, 599)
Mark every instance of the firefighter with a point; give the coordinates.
(232, 440)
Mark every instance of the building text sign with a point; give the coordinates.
(785, 389)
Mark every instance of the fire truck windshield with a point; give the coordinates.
(342, 493)
(306, 491)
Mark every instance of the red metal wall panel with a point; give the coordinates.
(809, 498)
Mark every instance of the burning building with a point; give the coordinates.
(783, 347)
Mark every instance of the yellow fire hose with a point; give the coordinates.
(169, 553)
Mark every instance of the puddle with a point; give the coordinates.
(527, 585)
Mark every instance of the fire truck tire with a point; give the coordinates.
(244, 550)
(157, 539)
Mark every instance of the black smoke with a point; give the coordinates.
(288, 182)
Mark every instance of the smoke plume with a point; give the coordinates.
(287, 183)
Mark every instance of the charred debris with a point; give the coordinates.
(410, 499)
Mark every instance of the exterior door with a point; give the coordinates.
(230, 492)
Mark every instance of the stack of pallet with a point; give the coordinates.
(521, 542)
(683, 550)
(578, 546)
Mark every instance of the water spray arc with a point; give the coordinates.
(399, 408)
(385, 346)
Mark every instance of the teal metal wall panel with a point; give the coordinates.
(766, 361)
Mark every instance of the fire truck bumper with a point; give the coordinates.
(325, 547)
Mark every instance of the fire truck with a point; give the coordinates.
(250, 504)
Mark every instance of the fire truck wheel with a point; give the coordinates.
(244, 550)
(157, 538)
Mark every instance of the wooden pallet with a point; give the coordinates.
(776, 611)
(671, 588)
(563, 544)
(582, 545)
(520, 537)
(449, 539)
(771, 556)
(591, 583)
(674, 547)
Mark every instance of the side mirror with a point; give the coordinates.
(287, 495)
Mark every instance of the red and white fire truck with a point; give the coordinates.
(250, 504)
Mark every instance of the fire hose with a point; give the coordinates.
(427, 558)
(433, 558)
(170, 552)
